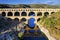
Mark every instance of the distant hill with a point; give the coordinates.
(28, 6)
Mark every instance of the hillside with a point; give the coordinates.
(52, 24)
(28, 6)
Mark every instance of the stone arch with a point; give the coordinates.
(9, 19)
(23, 19)
(38, 19)
(10, 14)
(16, 19)
(23, 14)
(2, 19)
(31, 14)
(3, 14)
(39, 14)
(52, 12)
(16, 14)
(46, 13)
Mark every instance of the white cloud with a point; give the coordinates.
(53, 2)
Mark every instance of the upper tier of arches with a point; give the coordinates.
(25, 13)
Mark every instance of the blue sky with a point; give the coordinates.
(53, 2)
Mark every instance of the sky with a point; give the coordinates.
(52, 2)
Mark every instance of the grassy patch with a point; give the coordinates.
(52, 24)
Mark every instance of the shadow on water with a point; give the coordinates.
(34, 34)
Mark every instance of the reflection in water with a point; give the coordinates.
(34, 34)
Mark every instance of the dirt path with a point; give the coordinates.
(46, 32)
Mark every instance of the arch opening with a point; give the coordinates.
(23, 19)
(23, 14)
(2, 19)
(10, 14)
(46, 14)
(3, 14)
(31, 14)
(16, 19)
(52, 12)
(39, 14)
(9, 19)
(38, 19)
(16, 14)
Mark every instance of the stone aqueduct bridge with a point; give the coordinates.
(20, 13)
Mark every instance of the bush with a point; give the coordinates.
(52, 24)
(20, 35)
